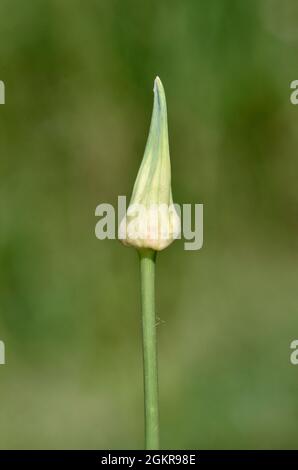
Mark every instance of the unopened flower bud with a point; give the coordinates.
(152, 220)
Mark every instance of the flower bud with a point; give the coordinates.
(151, 220)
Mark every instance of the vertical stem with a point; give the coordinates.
(147, 260)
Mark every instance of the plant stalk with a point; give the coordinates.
(147, 262)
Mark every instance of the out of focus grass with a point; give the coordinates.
(78, 102)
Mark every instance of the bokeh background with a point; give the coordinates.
(79, 78)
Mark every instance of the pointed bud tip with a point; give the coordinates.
(157, 83)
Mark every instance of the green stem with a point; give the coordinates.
(147, 260)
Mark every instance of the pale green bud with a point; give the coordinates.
(151, 220)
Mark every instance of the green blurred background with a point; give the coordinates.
(79, 78)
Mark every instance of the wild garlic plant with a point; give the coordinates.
(150, 225)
